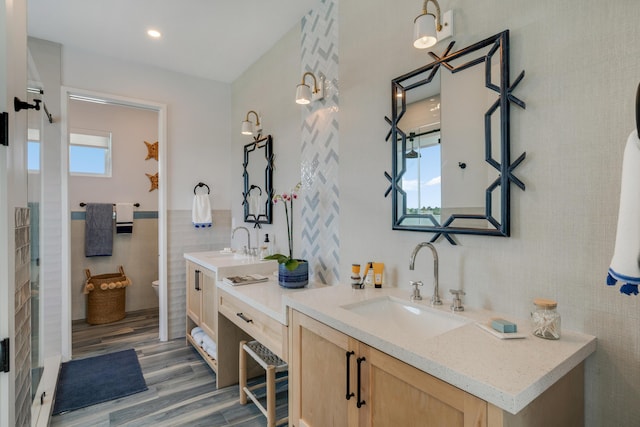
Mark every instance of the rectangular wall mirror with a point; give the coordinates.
(258, 185)
(451, 167)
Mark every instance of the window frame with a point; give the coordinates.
(108, 150)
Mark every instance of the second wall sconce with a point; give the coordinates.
(429, 28)
(304, 95)
(248, 127)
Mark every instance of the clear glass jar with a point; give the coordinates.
(545, 319)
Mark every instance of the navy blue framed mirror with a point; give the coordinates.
(450, 136)
(258, 181)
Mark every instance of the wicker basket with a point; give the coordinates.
(106, 295)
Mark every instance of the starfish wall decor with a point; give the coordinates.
(152, 150)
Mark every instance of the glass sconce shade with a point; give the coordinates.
(424, 31)
(247, 128)
(303, 94)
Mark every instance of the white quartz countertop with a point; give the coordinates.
(216, 260)
(508, 373)
(265, 296)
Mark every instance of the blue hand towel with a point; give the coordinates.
(98, 238)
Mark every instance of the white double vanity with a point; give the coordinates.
(372, 357)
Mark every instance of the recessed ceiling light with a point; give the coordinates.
(154, 34)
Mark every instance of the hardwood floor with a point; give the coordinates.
(182, 389)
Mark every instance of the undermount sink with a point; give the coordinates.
(390, 312)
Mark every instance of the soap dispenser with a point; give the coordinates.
(268, 244)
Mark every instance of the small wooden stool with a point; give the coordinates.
(272, 364)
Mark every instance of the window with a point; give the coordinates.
(33, 150)
(90, 153)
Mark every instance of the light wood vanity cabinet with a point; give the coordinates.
(201, 305)
(328, 366)
(268, 331)
(395, 393)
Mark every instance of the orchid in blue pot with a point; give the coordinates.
(292, 272)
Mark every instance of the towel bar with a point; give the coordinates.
(83, 204)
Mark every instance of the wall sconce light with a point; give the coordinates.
(248, 127)
(303, 91)
(429, 28)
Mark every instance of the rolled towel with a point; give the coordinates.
(624, 265)
(198, 335)
(210, 347)
(208, 342)
(211, 352)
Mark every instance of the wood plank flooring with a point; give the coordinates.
(182, 389)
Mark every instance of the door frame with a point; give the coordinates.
(161, 109)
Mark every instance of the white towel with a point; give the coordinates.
(124, 218)
(198, 335)
(201, 214)
(626, 255)
(207, 342)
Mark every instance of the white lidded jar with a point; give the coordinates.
(545, 319)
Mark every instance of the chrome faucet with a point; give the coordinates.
(435, 300)
(248, 236)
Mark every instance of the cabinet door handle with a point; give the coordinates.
(349, 392)
(243, 317)
(360, 401)
(197, 280)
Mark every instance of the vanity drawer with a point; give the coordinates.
(260, 326)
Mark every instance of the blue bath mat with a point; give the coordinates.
(86, 382)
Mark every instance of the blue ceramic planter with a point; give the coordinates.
(298, 278)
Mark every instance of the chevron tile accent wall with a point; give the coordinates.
(320, 155)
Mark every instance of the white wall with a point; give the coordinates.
(198, 119)
(579, 88)
(268, 87)
(130, 128)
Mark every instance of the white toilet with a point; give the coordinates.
(155, 284)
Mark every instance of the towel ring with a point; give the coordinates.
(255, 186)
(201, 184)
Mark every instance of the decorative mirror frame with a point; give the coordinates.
(266, 144)
(499, 44)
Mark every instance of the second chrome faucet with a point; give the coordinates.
(435, 299)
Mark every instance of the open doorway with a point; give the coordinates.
(116, 155)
